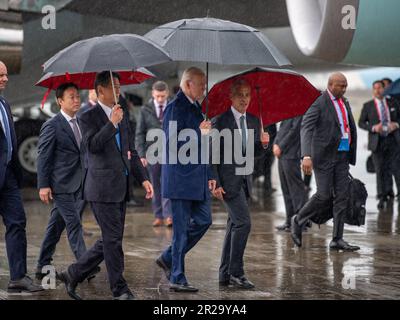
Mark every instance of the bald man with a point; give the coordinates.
(328, 146)
(11, 208)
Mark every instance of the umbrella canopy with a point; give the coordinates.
(393, 89)
(216, 41)
(86, 80)
(111, 52)
(276, 95)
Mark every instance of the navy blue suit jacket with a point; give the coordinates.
(184, 181)
(59, 160)
(14, 164)
(105, 176)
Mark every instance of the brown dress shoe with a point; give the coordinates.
(168, 222)
(158, 222)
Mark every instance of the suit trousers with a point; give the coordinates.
(13, 214)
(191, 219)
(332, 179)
(111, 219)
(66, 214)
(385, 161)
(293, 186)
(161, 206)
(237, 232)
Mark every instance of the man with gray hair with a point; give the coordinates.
(188, 185)
(151, 117)
(328, 146)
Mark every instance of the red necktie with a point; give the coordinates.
(346, 125)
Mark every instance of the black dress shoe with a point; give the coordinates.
(241, 282)
(70, 285)
(93, 273)
(284, 227)
(23, 285)
(296, 232)
(342, 245)
(125, 296)
(161, 263)
(182, 287)
(381, 204)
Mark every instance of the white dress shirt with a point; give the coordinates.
(107, 111)
(237, 116)
(68, 118)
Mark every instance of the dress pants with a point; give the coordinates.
(191, 219)
(161, 206)
(237, 232)
(111, 219)
(13, 214)
(293, 186)
(386, 164)
(332, 179)
(66, 214)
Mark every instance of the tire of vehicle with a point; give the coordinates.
(27, 137)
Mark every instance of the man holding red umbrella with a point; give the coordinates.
(235, 189)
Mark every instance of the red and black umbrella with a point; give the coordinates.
(276, 95)
(86, 80)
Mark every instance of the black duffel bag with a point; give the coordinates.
(356, 212)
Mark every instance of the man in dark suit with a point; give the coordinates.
(60, 176)
(11, 208)
(287, 149)
(188, 185)
(151, 117)
(110, 158)
(234, 188)
(381, 119)
(328, 145)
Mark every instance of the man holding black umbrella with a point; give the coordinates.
(110, 158)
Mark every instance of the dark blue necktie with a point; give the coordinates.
(118, 139)
(244, 134)
(7, 132)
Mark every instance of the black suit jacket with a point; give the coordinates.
(105, 176)
(59, 161)
(370, 117)
(14, 164)
(320, 132)
(225, 172)
(288, 138)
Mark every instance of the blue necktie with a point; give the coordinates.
(7, 132)
(118, 139)
(383, 114)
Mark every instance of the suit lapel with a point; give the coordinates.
(10, 123)
(67, 128)
(332, 108)
(231, 120)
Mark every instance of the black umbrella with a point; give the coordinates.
(217, 41)
(121, 52)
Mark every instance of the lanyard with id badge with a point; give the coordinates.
(346, 136)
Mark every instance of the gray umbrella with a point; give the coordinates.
(121, 52)
(111, 52)
(217, 41)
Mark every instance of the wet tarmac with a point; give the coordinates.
(277, 268)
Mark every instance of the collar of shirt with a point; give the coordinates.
(107, 110)
(332, 96)
(190, 99)
(237, 114)
(157, 106)
(67, 117)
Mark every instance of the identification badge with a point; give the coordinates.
(344, 145)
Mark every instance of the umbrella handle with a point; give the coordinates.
(113, 87)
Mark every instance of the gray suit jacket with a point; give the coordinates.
(106, 178)
(59, 161)
(288, 138)
(225, 173)
(148, 120)
(321, 134)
